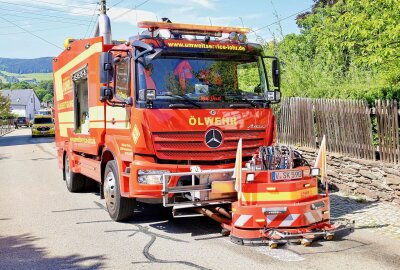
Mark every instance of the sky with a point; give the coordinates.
(32, 29)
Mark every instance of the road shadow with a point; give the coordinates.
(161, 219)
(195, 226)
(14, 139)
(19, 252)
(163, 226)
(2, 156)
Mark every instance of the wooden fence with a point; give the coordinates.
(347, 124)
(388, 130)
(6, 126)
(293, 114)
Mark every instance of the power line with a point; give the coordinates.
(39, 14)
(297, 13)
(91, 20)
(64, 5)
(134, 9)
(119, 2)
(37, 23)
(42, 8)
(29, 32)
(46, 19)
(40, 30)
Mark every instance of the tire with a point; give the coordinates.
(75, 181)
(118, 207)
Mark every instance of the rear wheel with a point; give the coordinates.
(119, 208)
(75, 181)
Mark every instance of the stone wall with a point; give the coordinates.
(373, 179)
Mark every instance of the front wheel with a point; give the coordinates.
(119, 208)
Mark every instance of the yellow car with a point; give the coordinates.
(43, 125)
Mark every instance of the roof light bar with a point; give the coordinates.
(196, 33)
(191, 27)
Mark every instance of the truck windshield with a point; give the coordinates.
(202, 82)
(44, 112)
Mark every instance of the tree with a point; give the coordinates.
(346, 49)
(4, 85)
(21, 85)
(40, 92)
(5, 107)
(44, 91)
(48, 98)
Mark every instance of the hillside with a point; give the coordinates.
(24, 66)
(30, 70)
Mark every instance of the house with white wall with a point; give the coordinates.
(24, 102)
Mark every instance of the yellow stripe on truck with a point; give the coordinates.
(113, 113)
(66, 117)
(95, 48)
(109, 125)
(279, 196)
(64, 128)
(117, 113)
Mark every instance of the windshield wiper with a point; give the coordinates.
(185, 98)
(180, 105)
(241, 105)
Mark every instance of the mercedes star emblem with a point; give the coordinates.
(213, 138)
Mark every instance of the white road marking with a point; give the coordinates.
(281, 254)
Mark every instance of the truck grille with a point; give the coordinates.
(191, 145)
(43, 128)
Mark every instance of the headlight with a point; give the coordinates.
(274, 210)
(315, 171)
(317, 205)
(151, 176)
(242, 38)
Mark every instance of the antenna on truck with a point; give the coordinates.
(103, 26)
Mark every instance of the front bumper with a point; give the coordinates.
(36, 132)
(155, 190)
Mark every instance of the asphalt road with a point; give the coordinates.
(43, 226)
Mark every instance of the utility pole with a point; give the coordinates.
(103, 7)
(103, 27)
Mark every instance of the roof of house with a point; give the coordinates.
(18, 96)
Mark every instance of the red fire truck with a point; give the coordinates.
(173, 99)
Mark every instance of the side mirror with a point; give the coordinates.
(149, 57)
(276, 74)
(106, 93)
(142, 48)
(106, 67)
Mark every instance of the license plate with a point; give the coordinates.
(43, 132)
(287, 175)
